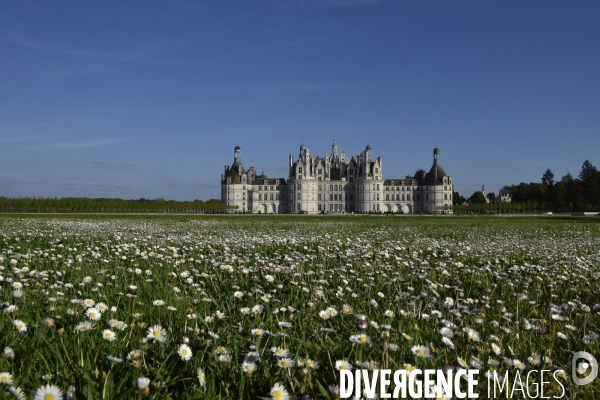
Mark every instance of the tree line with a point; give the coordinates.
(108, 205)
(567, 194)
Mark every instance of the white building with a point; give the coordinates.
(336, 184)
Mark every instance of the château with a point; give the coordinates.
(336, 184)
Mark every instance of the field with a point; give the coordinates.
(265, 307)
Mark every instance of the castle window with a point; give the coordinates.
(277, 196)
(299, 186)
(378, 186)
(445, 196)
(319, 171)
(376, 170)
(319, 197)
(271, 196)
(398, 197)
(319, 188)
(271, 188)
(259, 197)
(300, 169)
(407, 197)
(387, 197)
(331, 187)
(330, 197)
(319, 206)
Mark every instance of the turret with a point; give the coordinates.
(237, 155)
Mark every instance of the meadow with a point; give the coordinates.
(252, 307)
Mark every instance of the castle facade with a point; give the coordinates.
(336, 184)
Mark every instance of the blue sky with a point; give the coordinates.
(148, 98)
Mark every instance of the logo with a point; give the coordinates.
(583, 367)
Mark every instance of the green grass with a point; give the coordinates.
(317, 262)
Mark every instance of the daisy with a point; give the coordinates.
(472, 334)
(360, 339)
(462, 362)
(285, 363)
(324, 314)
(157, 333)
(421, 351)
(535, 359)
(447, 332)
(342, 364)
(109, 335)
(185, 352)
(143, 383)
(518, 364)
(347, 309)
(8, 353)
(201, 377)
(496, 349)
(238, 294)
(252, 357)
(11, 309)
(101, 307)
(225, 358)
(93, 314)
(88, 303)
(158, 303)
(5, 378)
(312, 364)
(248, 367)
(389, 313)
(48, 392)
(257, 332)
(17, 393)
(447, 342)
(279, 352)
(84, 326)
(257, 309)
(20, 325)
(134, 355)
(278, 392)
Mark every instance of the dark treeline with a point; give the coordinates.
(104, 205)
(567, 194)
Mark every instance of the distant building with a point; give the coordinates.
(487, 200)
(505, 196)
(336, 184)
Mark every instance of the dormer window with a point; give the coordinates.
(392, 183)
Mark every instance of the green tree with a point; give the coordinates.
(477, 198)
